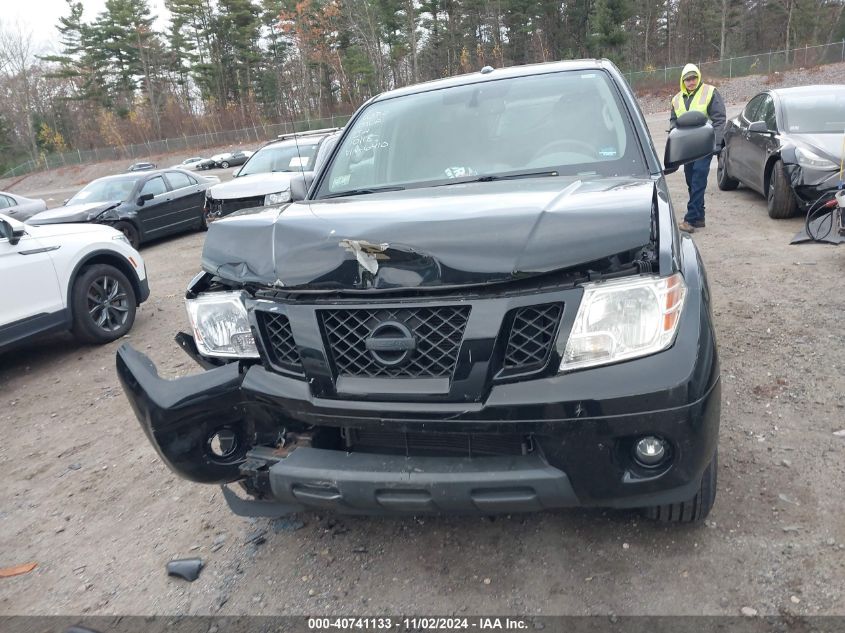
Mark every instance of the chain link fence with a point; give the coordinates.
(764, 63)
(761, 64)
(244, 136)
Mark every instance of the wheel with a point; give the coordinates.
(723, 178)
(103, 304)
(225, 164)
(128, 229)
(694, 510)
(779, 198)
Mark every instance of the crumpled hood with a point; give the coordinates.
(828, 145)
(461, 234)
(72, 213)
(252, 185)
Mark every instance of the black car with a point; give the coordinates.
(143, 206)
(481, 304)
(787, 145)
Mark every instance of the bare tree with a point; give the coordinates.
(17, 54)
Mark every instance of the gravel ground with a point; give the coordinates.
(86, 497)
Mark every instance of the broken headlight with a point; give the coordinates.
(221, 326)
(624, 319)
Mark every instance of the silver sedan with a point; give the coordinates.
(19, 207)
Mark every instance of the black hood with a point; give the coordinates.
(84, 212)
(443, 236)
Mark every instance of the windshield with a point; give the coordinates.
(111, 190)
(815, 114)
(280, 158)
(558, 123)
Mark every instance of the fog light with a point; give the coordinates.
(650, 450)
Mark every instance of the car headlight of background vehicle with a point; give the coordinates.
(221, 326)
(623, 319)
(277, 198)
(806, 158)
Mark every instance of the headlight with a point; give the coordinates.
(221, 326)
(623, 319)
(277, 198)
(806, 158)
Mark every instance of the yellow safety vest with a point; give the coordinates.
(700, 102)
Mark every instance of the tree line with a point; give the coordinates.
(122, 78)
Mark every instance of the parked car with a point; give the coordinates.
(190, 163)
(141, 206)
(83, 278)
(787, 145)
(141, 167)
(265, 178)
(481, 304)
(19, 207)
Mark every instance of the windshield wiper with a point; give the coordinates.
(362, 192)
(492, 177)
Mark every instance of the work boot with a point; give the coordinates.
(699, 224)
(686, 227)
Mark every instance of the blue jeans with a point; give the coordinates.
(696, 173)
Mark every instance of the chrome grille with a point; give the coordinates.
(437, 333)
(532, 336)
(225, 207)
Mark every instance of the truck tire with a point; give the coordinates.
(779, 198)
(103, 304)
(694, 510)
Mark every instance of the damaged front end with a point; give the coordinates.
(432, 397)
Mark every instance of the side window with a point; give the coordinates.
(154, 186)
(178, 180)
(6, 202)
(767, 113)
(750, 112)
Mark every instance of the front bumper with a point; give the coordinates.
(581, 456)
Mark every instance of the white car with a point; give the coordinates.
(80, 277)
(189, 163)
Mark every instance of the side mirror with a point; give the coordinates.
(299, 185)
(144, 197)
(65, 201)
(236, 173)
(692, 139)
(14, 234)
(759, 127)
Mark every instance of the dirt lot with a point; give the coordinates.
(86, 497)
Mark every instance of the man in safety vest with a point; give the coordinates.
(695, 95)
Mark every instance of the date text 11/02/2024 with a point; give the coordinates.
(417, 624)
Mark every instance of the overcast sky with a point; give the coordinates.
(41, 17)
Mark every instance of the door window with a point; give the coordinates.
(178, 180)
(767, 113)
(6, 202)
(750, 112)
(154, 186)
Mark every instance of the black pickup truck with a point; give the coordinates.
(480, 304)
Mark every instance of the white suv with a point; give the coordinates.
(80, 277)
